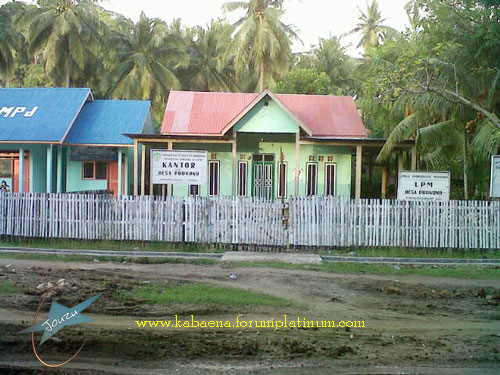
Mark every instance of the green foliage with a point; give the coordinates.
(371, 28)
(31, 75)
(305, 81)
(261, 42)
(11, 39)
(208, 70)
(146, 55)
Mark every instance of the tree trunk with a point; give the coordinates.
(466, 184)
(261, 75)
(68, 67)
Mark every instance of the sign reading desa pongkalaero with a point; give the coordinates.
(430, 186)
(179, 167)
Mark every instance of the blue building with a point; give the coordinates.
(63, 140)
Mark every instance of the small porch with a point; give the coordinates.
(272, 165)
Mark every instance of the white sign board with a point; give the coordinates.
(179, 167)
(495, 177)
(429, 186)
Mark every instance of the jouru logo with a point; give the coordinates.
(59, 317)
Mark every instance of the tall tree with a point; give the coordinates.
(331, 58)
(147, 55)
(208, 70)
(11, 39)
(261, 40)
(371, 27)
(66, 31)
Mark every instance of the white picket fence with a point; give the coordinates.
(303, 221)
(90, 217)
(323, 221)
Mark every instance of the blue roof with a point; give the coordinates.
(39, 114)
(104, 122)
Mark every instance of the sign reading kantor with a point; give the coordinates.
(179, 167)
(430, 186)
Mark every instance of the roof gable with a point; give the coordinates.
(39, 114)
(105, 121)
(259, 98)
(264, 116)
(214, 113)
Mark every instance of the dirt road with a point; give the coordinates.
(413, 325)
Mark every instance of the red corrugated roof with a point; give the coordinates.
(208, 113)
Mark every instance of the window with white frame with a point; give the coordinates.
(312, 178)
(330, 178)
(213, 177)
(282, 179)
(242, 178)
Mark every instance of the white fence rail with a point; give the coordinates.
(303, 221)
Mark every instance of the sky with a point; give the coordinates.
(313, 18)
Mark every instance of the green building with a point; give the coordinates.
(265, 145)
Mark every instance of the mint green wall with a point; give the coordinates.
(38, 169)
(250, 144)
(266, 119)
(342, 159)
(37, 164)
(74, 181)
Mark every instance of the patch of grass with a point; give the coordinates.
(202, 293)
(7, 288)
(399, 252)
(55, 243)
(85, 258)
(461, 272)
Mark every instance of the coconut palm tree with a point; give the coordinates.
(207, 70)
(11, 39)
(147, 55)
(261, 41)
(330, 57)
(66, 32)
(371, 27)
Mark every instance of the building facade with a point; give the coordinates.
(265, 145)
(63, 140)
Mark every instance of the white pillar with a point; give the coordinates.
(49, 168)
(235, 170)
(136, 168)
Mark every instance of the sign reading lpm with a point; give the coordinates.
(434, 186)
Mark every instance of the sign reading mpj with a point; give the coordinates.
(429, 186)
(495, 177)
(179, 167)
